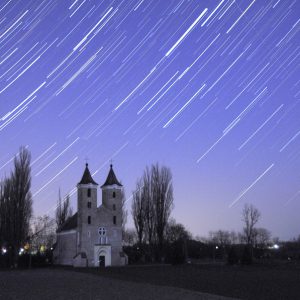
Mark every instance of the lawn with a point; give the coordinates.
(271, 281)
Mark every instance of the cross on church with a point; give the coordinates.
(86, 160)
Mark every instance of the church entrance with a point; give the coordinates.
(102, 255)
(101, 261)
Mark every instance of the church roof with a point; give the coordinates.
(71, 223)
(87, 177)
(111, 178)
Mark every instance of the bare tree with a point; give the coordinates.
(138, 211)
(42, 233)
(130, 237)
(250, 217)
(176, 231)
(233, 236)
(16, 205)
(262, 237)
(220, 237)
(161, 178)
(63, 210)
(152, 205)
(5, 205)
(147, 196)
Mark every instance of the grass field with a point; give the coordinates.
(271, 281)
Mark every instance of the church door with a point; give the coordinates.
(101, 261)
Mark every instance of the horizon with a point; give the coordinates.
(210, 90)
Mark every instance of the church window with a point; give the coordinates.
(114, 206)
(89, 193)
(102, 231)
(115, 220)
(89, 220)
(114, 194)
(89, 204)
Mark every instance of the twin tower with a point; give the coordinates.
(93, 236)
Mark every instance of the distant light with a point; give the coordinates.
(217, 247)
(276, 246)
(4, 250)
(21, 251)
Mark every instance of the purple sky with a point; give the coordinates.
(208, 88)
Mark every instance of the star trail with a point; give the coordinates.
(209, 88)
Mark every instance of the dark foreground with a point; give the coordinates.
(205, 281)
(272, 281)
(60, 284)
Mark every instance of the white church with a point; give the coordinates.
(92, 237)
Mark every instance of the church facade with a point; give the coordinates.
(93, 236)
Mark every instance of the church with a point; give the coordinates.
(92, 237)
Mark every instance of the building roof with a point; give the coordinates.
(87, 177)
(111, 178)
(71, 223)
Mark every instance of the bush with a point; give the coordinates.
(247, 256)
(232, 258)
(177, 254)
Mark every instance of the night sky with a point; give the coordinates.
(207, 88)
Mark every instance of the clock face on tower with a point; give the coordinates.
(102, 231)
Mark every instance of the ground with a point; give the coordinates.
(259, 281)
(202, 281)
(60, 284)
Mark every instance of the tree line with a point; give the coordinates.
(16, 206)
(156, 236)
(20, 232)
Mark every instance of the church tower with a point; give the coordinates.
(87, 209)
(112, 195)
(93, 236)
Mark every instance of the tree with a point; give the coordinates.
(5, 192)
(138, 211)
(262, 237)
(250, 216)
(16, 205)
(152, 205)
(130, 237)
(161, 180)
(63, 211)
(176, 231)
(147, 196)
(42, 233)
(220, 237)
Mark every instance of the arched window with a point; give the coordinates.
(114, 194)
(89, 193)
(89, 220)
(89, 204)
(103, 239)
(102, 231)
(115, 220)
